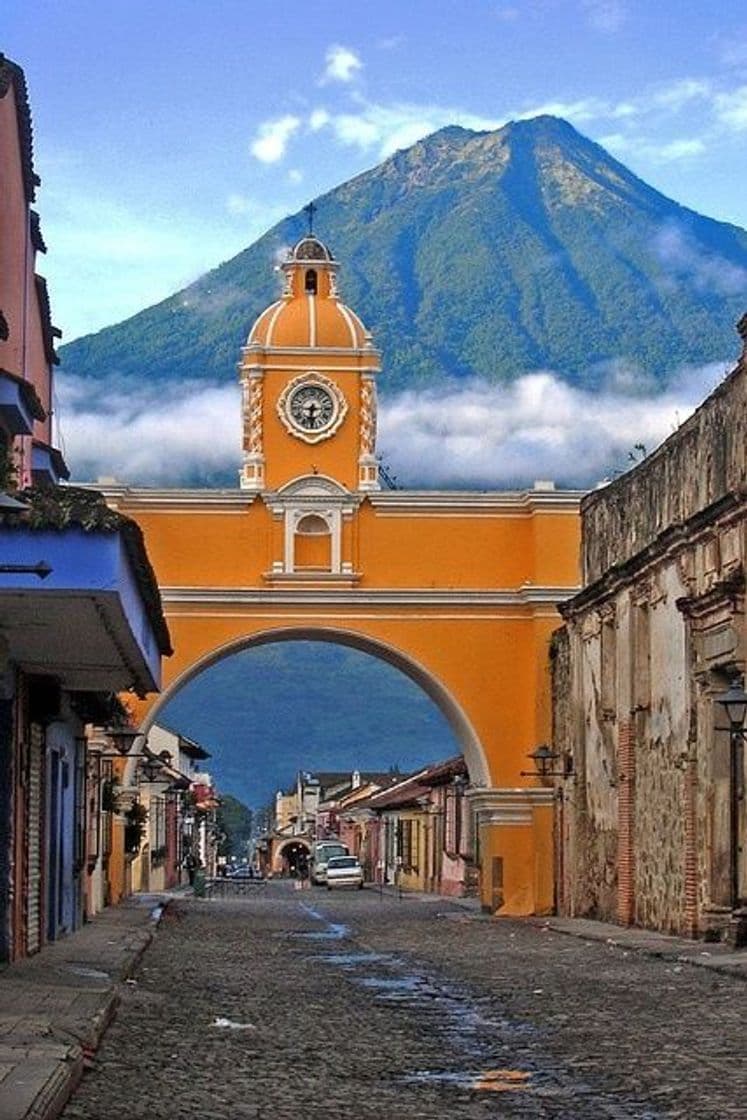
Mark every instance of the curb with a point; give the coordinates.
(675, 950)
(43, 1056)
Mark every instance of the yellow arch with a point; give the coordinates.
(464, 732)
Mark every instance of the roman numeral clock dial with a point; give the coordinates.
(312, 408)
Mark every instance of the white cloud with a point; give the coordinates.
(538, 427)
(295, 175)
(387, 128)
(682, 257)
(680, 93)
(139, 441)
(630, 145)
(680, 149)
(342, 64)
(605, 15)
(731, 108)
(272, 138)
(318, 119)
(470, 434)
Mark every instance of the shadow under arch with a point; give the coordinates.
(470, 745)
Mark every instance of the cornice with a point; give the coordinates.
(402, 502)
(526, 596)
(394, 503)
(204, 501)
(509, 807)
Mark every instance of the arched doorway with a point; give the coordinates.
(291, 858)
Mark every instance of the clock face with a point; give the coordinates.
(311, 408)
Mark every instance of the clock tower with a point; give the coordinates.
(308, 375)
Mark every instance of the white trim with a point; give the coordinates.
(506, 807)
(257, 322)
(280, 305)
(286, 368)
(385, 597)
(344, 311)
(312, 319)
(363, 351)
(403, 503)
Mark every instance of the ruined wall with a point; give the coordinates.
(648, 646)
(586, 829)
(702, 461)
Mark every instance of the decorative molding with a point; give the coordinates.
(507, 807)
(368, 417)
(346, 351)
(457, 503)
(311, 379)
(383, 597)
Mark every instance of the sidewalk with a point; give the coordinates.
(55, 1007)
(680, 950)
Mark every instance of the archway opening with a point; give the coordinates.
(301, 723)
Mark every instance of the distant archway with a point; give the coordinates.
(289, 854)
(461, 727)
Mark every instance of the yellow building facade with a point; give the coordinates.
(457, 589)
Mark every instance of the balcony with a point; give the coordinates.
(78, 598)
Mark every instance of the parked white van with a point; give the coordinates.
(320, 853)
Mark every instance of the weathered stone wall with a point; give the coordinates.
(702, 461)
(648, 645)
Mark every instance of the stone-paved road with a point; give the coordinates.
(351, 1005)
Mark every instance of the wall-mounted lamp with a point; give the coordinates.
(543, 758)
(122, 738)
(734, 703)
(151, 768)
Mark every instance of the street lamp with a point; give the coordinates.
(543, 757)
(734, 703)
(122, 738)
(151, 768)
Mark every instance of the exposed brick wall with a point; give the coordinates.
(626, 823)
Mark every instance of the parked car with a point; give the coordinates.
(344, 871)
(321, 852)
(242, 872)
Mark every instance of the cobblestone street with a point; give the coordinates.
(306, 1005)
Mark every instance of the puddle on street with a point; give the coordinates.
(353, 960)
(486, 1081)
(478, 1042)
(331, 933)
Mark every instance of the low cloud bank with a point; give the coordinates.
(539, 427)
(467, 434)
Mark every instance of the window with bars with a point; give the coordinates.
(406, 844)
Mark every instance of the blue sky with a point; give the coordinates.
(170, 135)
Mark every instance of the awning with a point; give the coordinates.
(47, 464)
(85, 621)
(19, 404)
